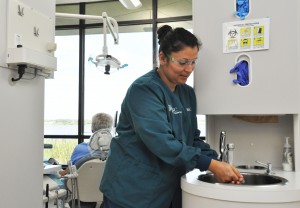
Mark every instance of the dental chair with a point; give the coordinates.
(90, 168)
(89, 178)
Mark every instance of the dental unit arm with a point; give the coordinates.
(109, 23)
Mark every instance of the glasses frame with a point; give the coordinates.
(184, 63)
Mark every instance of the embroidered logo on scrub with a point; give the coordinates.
(174, 110)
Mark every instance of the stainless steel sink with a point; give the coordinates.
(247, 167)
(253, 179)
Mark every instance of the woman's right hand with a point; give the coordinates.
(225, 173)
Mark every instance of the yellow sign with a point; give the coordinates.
(232, 44)
(259, 41)
(259, 30)
(246, 42)
(246, 35)
(245, 31)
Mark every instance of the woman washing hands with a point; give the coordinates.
(157, 136)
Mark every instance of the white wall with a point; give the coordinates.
(21, 129)
(253, 141)
(272, 72)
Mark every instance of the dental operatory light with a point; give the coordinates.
(104, 60)
(131, 4)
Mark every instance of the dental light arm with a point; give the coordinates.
(108, 23)
(111, 22)
(112, 26)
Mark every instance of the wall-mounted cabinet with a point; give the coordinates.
(273, 86)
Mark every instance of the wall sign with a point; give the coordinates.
(246, 35)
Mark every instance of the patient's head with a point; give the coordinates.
(100, 140)
(101, 121)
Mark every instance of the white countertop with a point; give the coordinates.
(290, 192)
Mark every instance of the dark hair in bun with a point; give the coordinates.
(162, 32)
(174, 40)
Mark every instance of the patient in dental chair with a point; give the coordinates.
(99, 142)
(96, 148)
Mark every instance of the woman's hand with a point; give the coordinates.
(225, 173)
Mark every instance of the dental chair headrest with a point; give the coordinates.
(100, 140)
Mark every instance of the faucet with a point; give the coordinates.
(266, 165)
(226, 151)
(223, 150)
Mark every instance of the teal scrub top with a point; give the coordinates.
(157, 142)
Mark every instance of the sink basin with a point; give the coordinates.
(256, 167)
(253, 179)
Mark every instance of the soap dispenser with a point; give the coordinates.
(287, 161)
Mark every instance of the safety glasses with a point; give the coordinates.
(183, 62)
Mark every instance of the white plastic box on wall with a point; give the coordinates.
(30, 38)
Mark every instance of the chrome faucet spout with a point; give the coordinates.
(223, 150)
(266, 165)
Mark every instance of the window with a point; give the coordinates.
(61, 93)
(104, 93)
(73, 9)
(61, 150)
(79, 89)
(116, 10)
(170, 8)
(61, 99)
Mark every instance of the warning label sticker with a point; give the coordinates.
(246, 35)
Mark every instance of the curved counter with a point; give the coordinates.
(195, 192)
